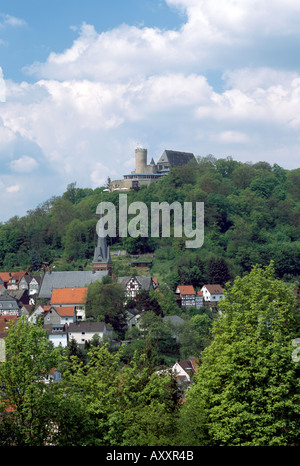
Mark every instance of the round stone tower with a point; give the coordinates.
(140, 160)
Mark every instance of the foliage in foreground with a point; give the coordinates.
(246, 391)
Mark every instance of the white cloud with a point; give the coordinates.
(13, 189)
(100, 174)
(231, 17)
(228, 137)
(24, 164)
(10, 20)
(93, 100)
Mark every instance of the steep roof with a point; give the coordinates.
(144, 281)
(214, 289)
(65, 311)
(76, 279)
(8, 303)
(188, 365)
(62, 311)
(7, 276)
(186, 289)
(69, 296)
(176, 158)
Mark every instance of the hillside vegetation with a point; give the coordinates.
(252, 216)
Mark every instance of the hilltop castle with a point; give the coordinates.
(145, 174)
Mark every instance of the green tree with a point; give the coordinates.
(29, 358)
(166, 299)
(105, 303)
(126, 406)
(218, 271)
(194, 335)
(144, 301)
(247, 389)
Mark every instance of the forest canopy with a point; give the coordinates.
(252, 216)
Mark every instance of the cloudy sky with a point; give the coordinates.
(82, 83)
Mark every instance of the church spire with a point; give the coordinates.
(102, 259)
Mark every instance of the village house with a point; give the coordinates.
(187, 296)
(20, 285)
(132, 318)
(57, 334)
(132, 285)
(60, 315)
(9, 306)
(212, 293)
(184, 371)
(70, 297)
(37, 313)
(84, 331)
(20, 295)
(12, 280)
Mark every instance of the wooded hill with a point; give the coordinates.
(252, 216)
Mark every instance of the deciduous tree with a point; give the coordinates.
(247, 388)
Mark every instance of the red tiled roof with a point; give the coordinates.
(7, 276)
(186, 289)
(69, 296)
(65, 311)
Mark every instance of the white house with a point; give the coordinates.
(83, 331)
(184, 370)
(132, 285)
(132, 318)
(212, 293)
(187, 296)
(57, 334)
(60, 315)
(39, 311)
(70, 297)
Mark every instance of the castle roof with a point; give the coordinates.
(176, 158)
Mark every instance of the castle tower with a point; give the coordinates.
(140, 160)
(102, 259)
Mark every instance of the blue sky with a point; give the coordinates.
(51, 25)
(86, 82)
